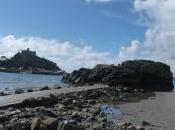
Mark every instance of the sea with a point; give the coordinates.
(13, 81)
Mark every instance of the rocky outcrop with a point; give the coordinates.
(48, 123)
(144, 74)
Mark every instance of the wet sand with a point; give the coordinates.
(159, 111)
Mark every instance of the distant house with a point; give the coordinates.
(28, 52)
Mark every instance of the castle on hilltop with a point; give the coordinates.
(28, 52)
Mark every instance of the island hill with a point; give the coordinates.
(27, 61)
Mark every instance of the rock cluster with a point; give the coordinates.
(71, 111)
(20, 91)
(148, 75)
(45, 88)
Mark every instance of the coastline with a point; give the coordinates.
(91, 101)
(31, 72)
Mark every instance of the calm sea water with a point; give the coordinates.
(14, 81)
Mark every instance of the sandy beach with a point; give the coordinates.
(159, 111)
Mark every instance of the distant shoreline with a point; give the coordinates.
(30, 72)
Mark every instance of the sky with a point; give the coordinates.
(83, 33)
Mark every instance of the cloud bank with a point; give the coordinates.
(65, 54)
(159, 42)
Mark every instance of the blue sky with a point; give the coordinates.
(83, 33)
(104, 25)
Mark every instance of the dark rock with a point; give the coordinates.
(139, 74)
(63, 126)
(30, 90)
(45, 88)
(79, 76)
(58, 87)
(77, 116)
(145, 123)
(19, 91)
(65, 77)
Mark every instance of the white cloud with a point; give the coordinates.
(65, 54)
(159, 42)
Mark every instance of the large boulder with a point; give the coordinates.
(45, 88)
(77, 76)
(48, 123)
(144, 74)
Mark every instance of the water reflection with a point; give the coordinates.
(112, 112)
